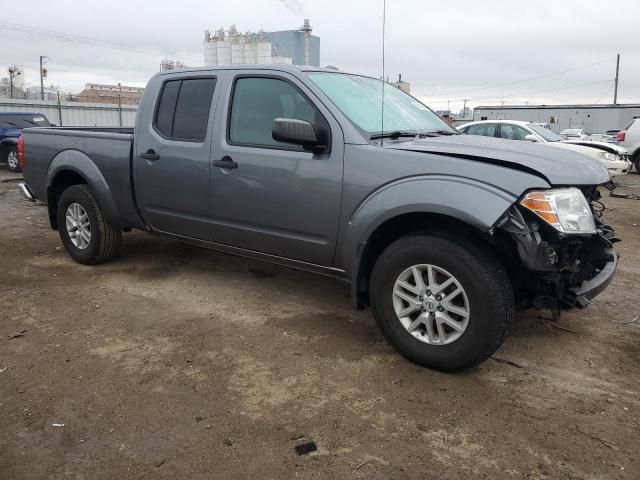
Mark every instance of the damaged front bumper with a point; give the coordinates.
(555, 271)
(592, 288)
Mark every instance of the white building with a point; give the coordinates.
(593, 118)
(234, 48)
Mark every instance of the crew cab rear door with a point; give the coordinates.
(277, 198)
(172, 155)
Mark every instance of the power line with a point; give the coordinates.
(522, 81)
(606, 93)
(91, 41)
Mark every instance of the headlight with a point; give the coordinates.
(608, 156)
(565, 209)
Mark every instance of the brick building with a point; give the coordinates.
(98, 93)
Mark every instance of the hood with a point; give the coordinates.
(556, 166)
(604, 146)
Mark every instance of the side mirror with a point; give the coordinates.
(298, 132)
(531, 138)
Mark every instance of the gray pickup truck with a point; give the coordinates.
(444, 235)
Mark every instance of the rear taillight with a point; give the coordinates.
(621, 136)
(21, 152)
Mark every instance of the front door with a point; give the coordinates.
(172, 157)
(280, 199)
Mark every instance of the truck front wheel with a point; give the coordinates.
(86, 235)
(442, 302)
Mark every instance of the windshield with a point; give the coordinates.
(360, 100)
(548, 135)
(23, 121)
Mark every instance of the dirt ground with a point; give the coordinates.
(173, 362)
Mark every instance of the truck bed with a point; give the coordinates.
(104, 153)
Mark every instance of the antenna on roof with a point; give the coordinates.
(384, 21)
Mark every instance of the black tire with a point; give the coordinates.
(636, 161)
(104, 240)
(11, 157)
(482, 276)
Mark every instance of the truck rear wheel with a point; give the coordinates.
(442, 302)
(86, 235)
(11, 157)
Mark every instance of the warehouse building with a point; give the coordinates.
(593, 118)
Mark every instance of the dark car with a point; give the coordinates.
(11, 125)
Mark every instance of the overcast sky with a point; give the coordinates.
(447, 50)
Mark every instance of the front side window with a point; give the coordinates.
(512, 132)
(183, 108)
(483, 129)
(545, 133)
(257, 102)
(360, 100)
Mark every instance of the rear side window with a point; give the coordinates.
(483, 129)
(183, 109)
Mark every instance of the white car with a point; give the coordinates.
(613, 157)
(575, 134)
(629, 138)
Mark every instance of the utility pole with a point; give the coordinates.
(11, 73)
(615, 89)
(464, 109)
(42, 75)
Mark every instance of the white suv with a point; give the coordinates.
(629, 138)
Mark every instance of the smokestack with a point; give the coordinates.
(306, 30)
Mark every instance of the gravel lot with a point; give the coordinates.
(176, 362)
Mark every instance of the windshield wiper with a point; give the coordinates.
(441, 132)
(393, 135)
(8, 123)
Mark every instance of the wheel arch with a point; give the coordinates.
(72, 167)
(452, 205)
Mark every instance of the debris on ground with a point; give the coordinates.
(305, 448)
(632, 321)
(57, 424)
(559, 327)
(507, 361)
(19, 333)
(228, 441)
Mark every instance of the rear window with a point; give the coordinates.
(23, 121)
(183, 109)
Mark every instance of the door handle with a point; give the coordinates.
(225, 162)
(150, 155)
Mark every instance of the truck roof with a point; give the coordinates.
(266, 66)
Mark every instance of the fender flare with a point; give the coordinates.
(8, 141)
(80, 163)
(470, 201)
